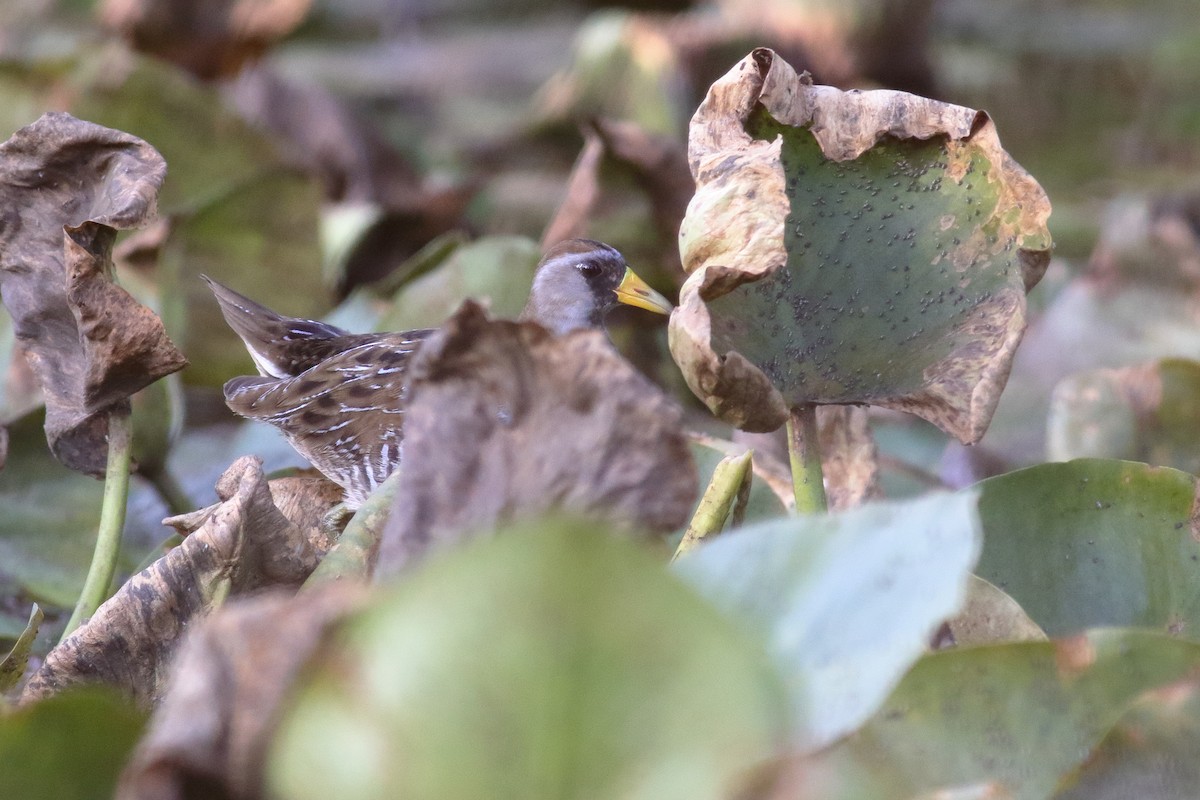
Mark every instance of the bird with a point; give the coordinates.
(339, 398)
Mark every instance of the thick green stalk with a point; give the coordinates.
(808, 479)
(112, 520)
(351, 558)
(730, 480)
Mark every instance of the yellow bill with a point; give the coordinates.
(633, 291)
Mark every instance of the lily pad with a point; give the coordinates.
(851, 247)
(847, 602)
(558, 661)
(1093, 543)
(1015, 715)
(1150, 754)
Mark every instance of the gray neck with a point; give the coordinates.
(561, 301)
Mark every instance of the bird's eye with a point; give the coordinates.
(589, 269)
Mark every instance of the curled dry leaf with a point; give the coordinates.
(245, 543)
(507, 420)
(851, 247)
(210, 735)
(66, 187)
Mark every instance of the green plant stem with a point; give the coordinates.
(352, 556)
(730, 480)
(804, 452)
(112, 520)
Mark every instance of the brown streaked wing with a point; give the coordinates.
(345, 414)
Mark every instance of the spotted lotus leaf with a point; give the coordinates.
(854, 247)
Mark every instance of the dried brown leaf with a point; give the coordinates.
(209, 736)
(507, 420)
(244, 544)
(848, 456)
(66, 187)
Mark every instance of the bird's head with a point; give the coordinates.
(579, 281)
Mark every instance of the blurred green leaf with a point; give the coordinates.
(1094, 543)
(68, 747)
(553, 661)
(1020, 715)
(622, 67)
(1149, 755)
(847, 602)
(1148, 412)
(48, 527)
(1087, 326)
(498, 268)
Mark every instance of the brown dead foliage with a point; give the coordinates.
(68, 186)
(507, 420)
(243, 544)
(210, 735)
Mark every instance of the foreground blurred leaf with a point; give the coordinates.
(67, 186)
(1015, 715)
(1149, 755)
(600, 676)
(1095, 543)
(69, 747)
(234, 671)
(847, 601)
(871, 247)
(1149, 412)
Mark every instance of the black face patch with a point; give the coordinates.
(603, 270)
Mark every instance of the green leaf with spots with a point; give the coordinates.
(1018, 716)
(1150, 754)
(1093, 543)
(851, 247)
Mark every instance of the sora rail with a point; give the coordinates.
(339, 397)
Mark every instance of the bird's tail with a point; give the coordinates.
(280, 346)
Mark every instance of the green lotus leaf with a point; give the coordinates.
(1015, 716)
(849, 248)
(553, 660)
(1093, 543)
